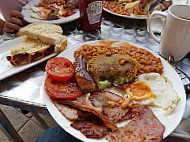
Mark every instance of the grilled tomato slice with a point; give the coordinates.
(60, 69)
(62, 90)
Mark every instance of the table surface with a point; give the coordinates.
(24, 89)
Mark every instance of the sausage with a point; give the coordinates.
(83, 78)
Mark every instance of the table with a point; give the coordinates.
(24, 91)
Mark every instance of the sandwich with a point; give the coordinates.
(39, 40)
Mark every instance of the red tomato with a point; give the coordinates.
(62, 90)
(60, 69)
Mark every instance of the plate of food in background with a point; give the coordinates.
(35, 43)
(51, 11)
(113, 90)
(137, 9)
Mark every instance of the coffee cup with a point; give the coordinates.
(175, 36)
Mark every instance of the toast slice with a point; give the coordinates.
(41, 39)
(47, 33)
(29, 50)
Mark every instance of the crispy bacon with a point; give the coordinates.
(71, 113)
(144, 127)
(97, 103)
(93, 128)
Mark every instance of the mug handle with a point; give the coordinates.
(163, 14)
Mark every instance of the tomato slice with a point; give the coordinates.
(62, 90)
(60, 69)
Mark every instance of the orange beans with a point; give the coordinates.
(147, 61)
(113, 104)
(122, 62)
(115, 7)
(108, 53)
(125, 103)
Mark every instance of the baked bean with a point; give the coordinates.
(108, 53)
(122, 62)
(125, 103)
(85, 48)
(120, 101)
(147, 61)
(112, 104)
(115, 7)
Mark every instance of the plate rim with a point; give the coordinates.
(22, 67)
(47, 100)
(125, 16)
(139, 17)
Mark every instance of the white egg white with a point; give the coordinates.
(36, 9)
(32, 8)
(166, 96)
(36, 16)
(27, 7)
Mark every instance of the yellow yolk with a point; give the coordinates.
(140, 91)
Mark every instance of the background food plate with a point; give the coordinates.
(170, 121)
(62, 20)
(125, 16)
(6, 69)
(141, 16)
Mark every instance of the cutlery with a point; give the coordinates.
(152, 6)
(173, 63)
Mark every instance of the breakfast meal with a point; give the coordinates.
(39, 40)
(52, 9)
(112, 90)
(134, 7)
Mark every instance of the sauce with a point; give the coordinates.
(90, 14)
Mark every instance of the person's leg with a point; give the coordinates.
(56, 134)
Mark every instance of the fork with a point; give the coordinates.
(173, 63)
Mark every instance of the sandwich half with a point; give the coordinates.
(29, 50)
(45, 32)
(40, 40)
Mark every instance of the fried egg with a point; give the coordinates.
(36, 9)
(140, 92)
(32, 8)
(155, 90)
(41, 15)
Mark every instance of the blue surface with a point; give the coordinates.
(56, 134)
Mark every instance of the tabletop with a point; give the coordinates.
(24, 89)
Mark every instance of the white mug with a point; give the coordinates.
(175, 36)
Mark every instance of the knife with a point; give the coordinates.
(152, 6)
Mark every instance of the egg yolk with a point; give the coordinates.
(140, 91)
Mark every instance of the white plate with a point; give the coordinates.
(141, 16)
(27, 13)
(170, 122)
(6, 69)
(125, 16)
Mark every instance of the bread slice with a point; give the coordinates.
(29, 50)
(47, 33)
(41, 39)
